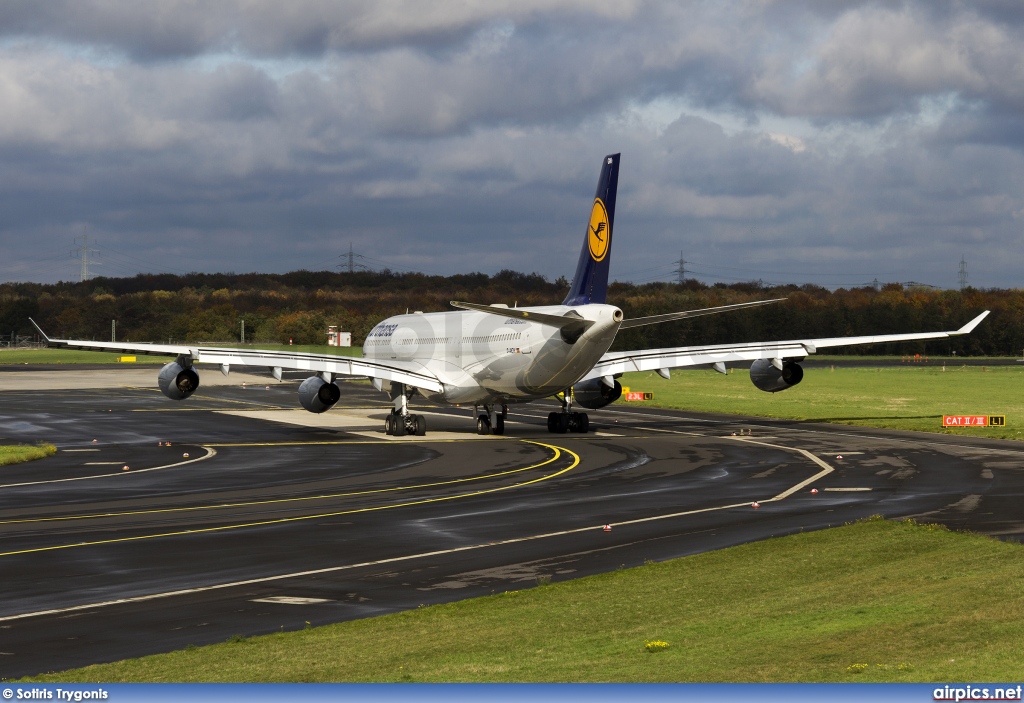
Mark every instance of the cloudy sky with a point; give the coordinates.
(831, 142)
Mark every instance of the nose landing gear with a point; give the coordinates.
(491, 421)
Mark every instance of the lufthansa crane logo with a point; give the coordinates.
(599, 234)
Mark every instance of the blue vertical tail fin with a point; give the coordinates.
(590, 284)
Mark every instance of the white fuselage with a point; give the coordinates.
(485, 358)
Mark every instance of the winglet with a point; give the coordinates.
(39, 330)
(969, 327)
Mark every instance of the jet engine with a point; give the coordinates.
(770, 379)
(178, 382)
(317, 395)
(594, 394)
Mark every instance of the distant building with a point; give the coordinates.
(338, 339)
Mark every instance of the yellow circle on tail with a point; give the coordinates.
(599, 235)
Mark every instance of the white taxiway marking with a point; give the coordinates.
(210, 452)
(826, 469)
(103, 463)
(79, 450)
(290, 600)
(845, 490)
(656, 429)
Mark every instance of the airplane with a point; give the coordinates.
(491, 356)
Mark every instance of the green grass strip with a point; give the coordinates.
(912, 397)
(15, 454)
(873, 601)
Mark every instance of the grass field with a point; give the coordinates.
(15, 454)
(873, 601)
(905, 398)
(68, 356)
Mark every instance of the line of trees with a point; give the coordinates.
(300, 305)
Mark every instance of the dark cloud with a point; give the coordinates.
(793, 141)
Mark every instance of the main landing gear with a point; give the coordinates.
(491, 421)
(568, 420)
(400, 421)
(399, 425)
(562, 422)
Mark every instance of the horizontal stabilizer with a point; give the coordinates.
(568, 323)
(668, 317)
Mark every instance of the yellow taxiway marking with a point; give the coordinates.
(273, 501)
(210, 452)
(279, 521)
(329, 442)
(422, 555)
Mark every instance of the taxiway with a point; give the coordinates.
(277, 517)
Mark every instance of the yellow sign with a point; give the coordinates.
(997, 420)
(600, 231)
(124, 359)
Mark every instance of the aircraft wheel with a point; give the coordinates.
(563, 423)
(483, 425)
(582, 422)
(499, 427)
(398, 423)
(553, 422)
(389, 425)
(421, 426)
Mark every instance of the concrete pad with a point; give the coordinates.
(369, 422)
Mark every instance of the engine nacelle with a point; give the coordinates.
(768, 378)
(594, 394)
(178, 382)
(317, 395)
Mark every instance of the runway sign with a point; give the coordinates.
(973, 420)
(637, 395)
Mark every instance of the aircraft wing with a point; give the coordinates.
(408, 372)
(614, 363)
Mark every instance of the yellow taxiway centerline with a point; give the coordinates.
(272, 501)
(261, 523)
(421, 555)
